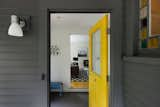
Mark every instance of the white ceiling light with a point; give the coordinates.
(15, 29)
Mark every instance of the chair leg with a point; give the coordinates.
(61, 90)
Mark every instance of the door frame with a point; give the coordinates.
(47, 25)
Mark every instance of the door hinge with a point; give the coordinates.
(108, 78)
(108, 30)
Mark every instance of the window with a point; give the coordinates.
(96, 52)
(149, 35)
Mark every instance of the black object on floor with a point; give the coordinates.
(70, 100)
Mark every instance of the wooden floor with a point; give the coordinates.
(70, 100)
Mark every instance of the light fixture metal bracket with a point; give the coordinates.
(25, 22)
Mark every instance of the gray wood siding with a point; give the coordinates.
(20, 78)
(141, 84)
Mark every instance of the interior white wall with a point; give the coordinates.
(78, 42)
(62, 26)
(60, 65)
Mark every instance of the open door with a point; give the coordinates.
(98, 64)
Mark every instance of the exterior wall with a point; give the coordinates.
(140, 73)
(20, 84)
(138, 89)
(39, 8)
(141, 82)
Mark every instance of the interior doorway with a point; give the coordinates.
(70, 58)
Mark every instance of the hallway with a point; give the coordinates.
(70, 100)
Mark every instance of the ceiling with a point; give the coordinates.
(74, 20)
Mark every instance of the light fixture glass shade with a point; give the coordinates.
(14, 28)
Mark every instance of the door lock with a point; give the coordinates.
(43, 76)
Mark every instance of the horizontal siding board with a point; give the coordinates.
(19, 84)
(16, 66)
(23, 56)
(18, 73)
(9, 49)
(19, 77)
(29, 92)
(15, 105)
(17, 46)
(16, 99)
(17, 70)
(16, 60)
(19, 63)
(146, 86)
(15, 41)
(133, 102)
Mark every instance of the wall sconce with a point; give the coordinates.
(55, 50)
(17, 25)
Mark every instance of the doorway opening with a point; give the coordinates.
(69, 58)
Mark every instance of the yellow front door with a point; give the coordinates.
(98, 64)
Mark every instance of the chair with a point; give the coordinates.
(57, 87)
